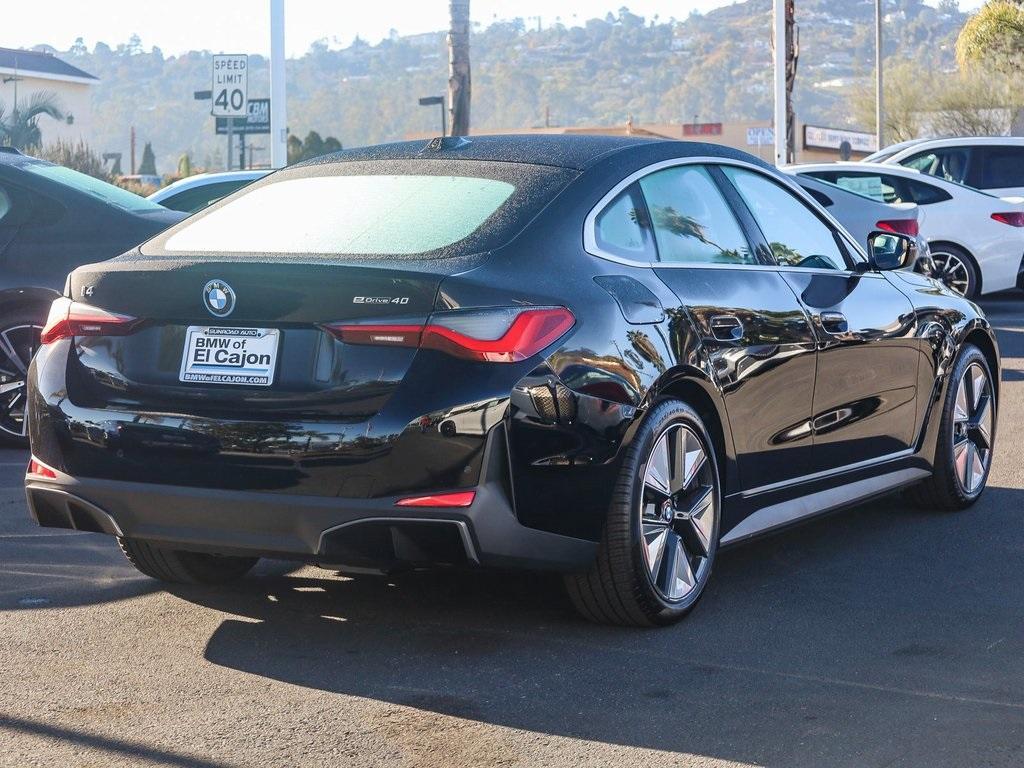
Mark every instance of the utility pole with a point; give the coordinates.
(779, 58)
(458, 67)
(133, 150)
(278, 106)
(786, 52)
(879, 130)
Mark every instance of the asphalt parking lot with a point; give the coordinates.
(881, 636)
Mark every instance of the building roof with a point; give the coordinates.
(42, 65)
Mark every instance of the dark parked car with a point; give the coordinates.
(51, 220)
(604, 356)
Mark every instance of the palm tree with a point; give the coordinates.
(19, 128)
(458, 67)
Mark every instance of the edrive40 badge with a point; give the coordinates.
(219, 298)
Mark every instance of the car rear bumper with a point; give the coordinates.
(340, 532)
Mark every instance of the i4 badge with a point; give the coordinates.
(219, 298)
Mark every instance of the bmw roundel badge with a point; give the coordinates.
(219, 298)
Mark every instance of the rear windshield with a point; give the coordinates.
(415, 209)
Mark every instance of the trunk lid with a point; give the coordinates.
(313, 373)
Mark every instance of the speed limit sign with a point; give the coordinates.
(230, 85)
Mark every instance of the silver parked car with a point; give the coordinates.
(861, 215)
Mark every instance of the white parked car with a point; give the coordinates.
(193, 193)
(976, 239)
(993, 164)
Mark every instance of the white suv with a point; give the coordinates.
(993, 164)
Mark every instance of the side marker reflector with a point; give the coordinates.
(458, 499)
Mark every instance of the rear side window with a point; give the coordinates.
(407, 208)
(692, 221)
(797, 237)
(926, 194)
(998, 167)
(882, 189)
(623, 228)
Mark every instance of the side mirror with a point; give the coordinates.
(891, 251)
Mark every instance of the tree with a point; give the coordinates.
(79, 157)
(19, 128)
(148, 165)
(993, 36)
(458, 67)
(310, 147)
(906, 97)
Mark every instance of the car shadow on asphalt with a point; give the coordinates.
(827, 644)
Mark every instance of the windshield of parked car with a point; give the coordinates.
(108, 193)
(412, 208)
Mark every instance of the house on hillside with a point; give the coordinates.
(25, 72)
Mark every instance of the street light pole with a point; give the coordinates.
(278, 106)
(430, 101)
(878, 73)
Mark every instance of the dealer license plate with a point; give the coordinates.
(229, 355)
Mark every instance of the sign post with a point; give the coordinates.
(230, 91)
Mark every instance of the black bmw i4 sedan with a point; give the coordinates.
(608, 357)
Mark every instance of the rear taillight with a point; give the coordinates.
(70, 318)
(496, 335)
(1013, 218)
(907, 227)
(38, 469)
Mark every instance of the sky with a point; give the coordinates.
(241, 26)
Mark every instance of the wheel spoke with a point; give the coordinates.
(677, 577)
(977, 467)
(655, 537)
(978, 384)
(11, 353)
(961, 411)
(700, 520)
(981, 423)
(657, 473)
(694, 458)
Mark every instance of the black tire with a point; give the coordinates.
(945, 257)
(621, 586)
(947, 489)
(19, 339)
(180, 567)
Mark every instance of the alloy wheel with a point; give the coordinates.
(17, 345)
(677, 514)
(972, 428)
(952, 272)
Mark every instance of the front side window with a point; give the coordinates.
(5, 204)
(948, 164)
(797, 237)
(693, 223)
(623, 229)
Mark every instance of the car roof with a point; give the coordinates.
(957, 141)
(575, 151)
(202, 179)
(892, 170)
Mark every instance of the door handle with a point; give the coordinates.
(834, 322)
(726, 327)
